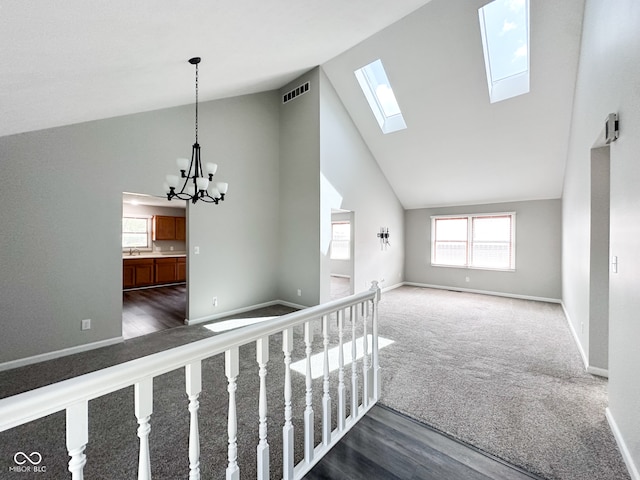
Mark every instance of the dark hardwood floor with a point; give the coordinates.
(387, 445)
(152, 309)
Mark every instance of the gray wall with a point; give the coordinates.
(55, 274)
(299, 231)
(608, 82)
(538, 246)
(352, 180)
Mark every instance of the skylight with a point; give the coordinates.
(504, 25)
(378, 92)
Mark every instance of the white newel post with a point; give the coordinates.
(308, 411)
(143, 409)
(354, 366)
(77, 438)
(374, 348)
(287, 429)
(262, 357)
(326, 397)
(341, 387)
(232, 369)
(193, 373)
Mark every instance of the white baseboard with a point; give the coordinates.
(600, 372)
(21, 362)
(209, 318)
(624, 450)
(392, 287)
(484, 292)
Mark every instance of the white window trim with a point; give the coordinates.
(470, 240)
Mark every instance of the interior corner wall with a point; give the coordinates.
(299, 207)
(61, 217)
(352, 180)
(607, 82)
(538, 247)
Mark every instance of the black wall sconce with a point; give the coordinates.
(383, 235)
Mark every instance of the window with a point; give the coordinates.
(340, 241)
(136, 232)
(378, 92)
(474, 241)
(504, 25)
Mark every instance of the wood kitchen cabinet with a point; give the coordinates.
(181, 228)
(137, 272)
(181, 269)
(169, 228)
(166, 270)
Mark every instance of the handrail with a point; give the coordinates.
(28, 406)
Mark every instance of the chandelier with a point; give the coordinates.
(196, 185)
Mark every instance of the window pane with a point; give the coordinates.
(134, 225)
(450, 229)
(492, 228)
(134, 240)
(451, 253)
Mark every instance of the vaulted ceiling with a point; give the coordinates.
(74, 61)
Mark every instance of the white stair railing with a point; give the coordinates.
(73, 395)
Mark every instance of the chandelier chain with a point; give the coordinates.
(196, 103)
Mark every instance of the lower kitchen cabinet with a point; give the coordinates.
(143, 272)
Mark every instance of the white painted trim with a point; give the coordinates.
(600, 372)
(634, 472)
(576, 338)
(485, 292)
(392, 287)
(22, 362)
(208, 318)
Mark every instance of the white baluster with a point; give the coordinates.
(232, 368)
(365, 359)
(77, 438)
(287, 429)
(193, 373)
(374, 348)
(308, 411)
(262, 357)
(326, 398)
(144, 408)
(354, 371)
(341, 387)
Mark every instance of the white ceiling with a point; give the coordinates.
(458, 148)
(70, 61)
(64, 62)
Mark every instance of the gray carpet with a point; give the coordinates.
(501, 374)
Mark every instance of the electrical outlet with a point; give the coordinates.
(467, 279)
(86, 324)
(299, 292)
(196, 250)
(215, 301)
(171, 248)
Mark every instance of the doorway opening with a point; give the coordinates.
(341, 254)
(154, 264)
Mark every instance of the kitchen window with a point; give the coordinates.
(485, 241)
(136, 232)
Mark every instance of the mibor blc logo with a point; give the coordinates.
(27, 463)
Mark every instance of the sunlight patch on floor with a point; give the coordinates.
(317, 360)
(237, 323)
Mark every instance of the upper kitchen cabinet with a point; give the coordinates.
(168, 228)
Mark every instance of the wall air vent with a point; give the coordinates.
(296, 92)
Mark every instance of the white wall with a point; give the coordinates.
(608, 78)
(54, 275)
(352, 180)
(538, 245)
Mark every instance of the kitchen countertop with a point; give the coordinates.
(126, 256)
